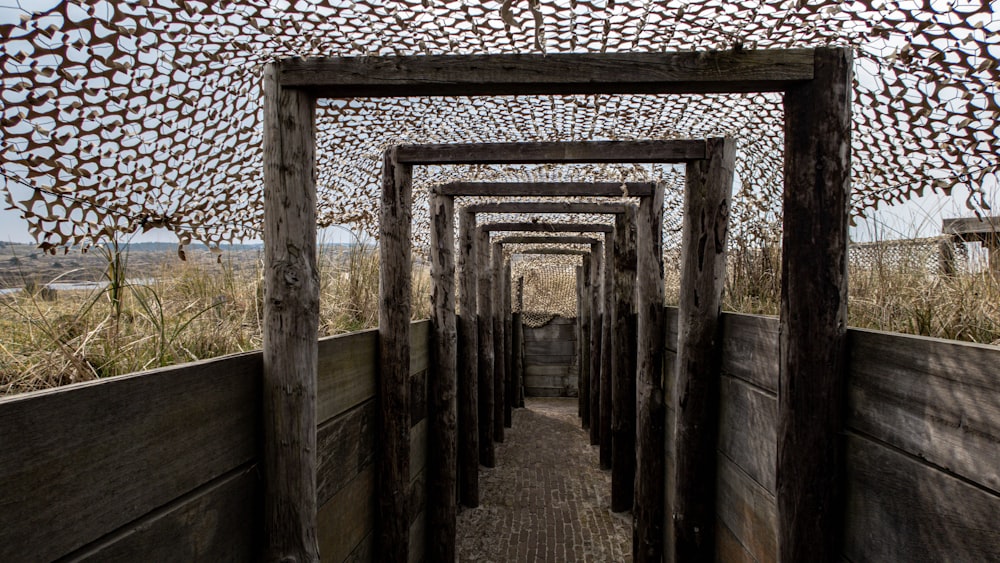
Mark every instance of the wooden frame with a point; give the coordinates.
(817, 90)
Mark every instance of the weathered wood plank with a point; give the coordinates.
(291, 320)
(420, 346)
(546, 227)
(442, 402)
(468, 365)
(596, 334)
(418, 449)
(418, 537)
(552, 360)
(563, 380)
(623, 356)
(670, 322)
(576, 73)
(545, 189)
(750, 349)
(565, 370)
(344, 446)
(607, 297)
(508, 414)
(728, 548)
(748, 429)
(663, 151)
(549, 239)
(586, 322)
(814, 311)
(496, 306)
(518, 355)
(545, 207)
(901, 509)
(705, 231)
(484, 321)
(935, 399)
(418, 398)
(348, 517)
(545, 391)
(395, 271)
(346, 372)
(201, 416)
(551, 250)
(557, 329)
(550, 348)
(747, 510)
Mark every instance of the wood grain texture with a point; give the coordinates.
(748, 429)
(559, 328)
(484, 323)
(348, 517)
(596, 334)
(623, 356)
(467, 365)
(704, 236)
(518, 355)
(345, 446)
(290, 320)
(586, 322)
(814, 311)
(607, 297)
(395, 271)
(901, 509)
(577, 73)
(545, 189)
(664, 151)
(543, 239)
(750, 349)
(749, 511)
(508, 415)
(551, 251)
(648, 509)
(545, 207)
(345, 373)
(547, 227)
(496, 305)
(442, 476)
(728, 548)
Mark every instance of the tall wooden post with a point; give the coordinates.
(519, 342)
(496, 306)
(623, 357)
(393, 465)
(508, 348)
(580, 345)
(648, 513)
(606, 365)
(699, 350)
(813, 353)
(487, 452)
(468, 385)
(442, 421)
(291, 323)
(596, 332)
(586, 324)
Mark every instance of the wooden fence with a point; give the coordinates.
(551, 359)
(922, 443)
(164, 465)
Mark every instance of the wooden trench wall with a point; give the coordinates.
(551, 359)
(166, 465)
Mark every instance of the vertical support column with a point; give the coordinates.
(291, 322)
(520, 343)
(468, 385)
(623, 357)
(508, 348)
(606, 365)
(487, 452)
(496, 306)
(596, 332)
(699, 350)
(813, 325)
(586, 316)
(580, 345)
(393, 465)
(442, 427)
(648, 513)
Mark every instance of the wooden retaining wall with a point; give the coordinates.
(163, 465)
(551, 359)
(922, 443)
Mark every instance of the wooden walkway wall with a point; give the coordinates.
(551, 359)
(922, 444)
(164, 465)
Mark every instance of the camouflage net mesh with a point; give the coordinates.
(549, 287)
(123, 116)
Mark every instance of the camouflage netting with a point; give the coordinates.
(549, 286)
(122, 116)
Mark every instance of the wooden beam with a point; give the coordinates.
(596, 333)
(586, 303)
(496, 306)
(648, 512)
(566, 251)
(519, 341)
(542, 239)
(508, 333)
(545, 189)
(577, 73)
(810, 464)
(547, 207)
(606, 366)
(974, 226)
(623, 356)
(565, 152)
(468, 385)
(487, 451)
(395, 267)
(548, 227)
(579, 341)
(291, 322)
(699, 350)
(442, 479)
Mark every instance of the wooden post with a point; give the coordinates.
(468, 394)
(393, 465)
(291, 322)
(648, 513)
(580, 346)
(607, 296)
(586, 315)
(699, 350)
(813, 334)
(496, 306)
(508, 348)
(623, 357)
(487, 453)
(596, 332)
(441, 429)
(519, 340)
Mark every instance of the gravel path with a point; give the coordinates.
(546, 500)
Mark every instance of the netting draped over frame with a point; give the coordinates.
(134, 114)
(549, 287)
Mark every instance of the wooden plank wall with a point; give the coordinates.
(923, 446)
(551, 364)
(163, 465)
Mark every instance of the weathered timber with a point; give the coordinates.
(468, 385)
(648, 511)
(705, 228)
(508, 348)
(291, 321)
(586, 304)
(748, 510)
(393, 464)
(552, 250)
(442, 438)
(662, 151)
(484, 284)
(607, 298)
(545, 207)
(814, 312)
(541, 239)
(623, 356)
(520, 340)
(748, 418)
(546, 189)
(496, 306)
(972, 228)
(579, 340)
(352, 514)
(346, 369)
(596, 332)
(576, 73)
(546, 227)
